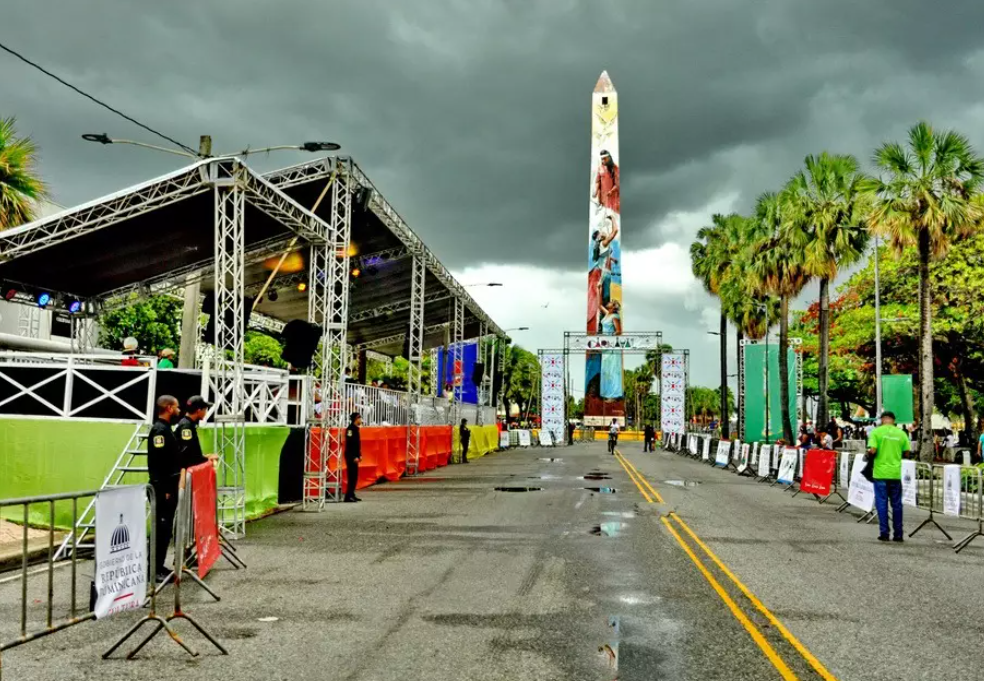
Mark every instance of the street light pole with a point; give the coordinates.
(878, 349)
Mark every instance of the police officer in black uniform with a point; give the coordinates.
(186, 432)
(164, 469)
(464, 436)
(353, 454)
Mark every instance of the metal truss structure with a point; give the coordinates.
(457, 348)
(399, 338)
(415, 370)
(229, 411)
(398, 306)
(328, 297)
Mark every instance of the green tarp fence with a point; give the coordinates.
(761, 380)
(48, 456)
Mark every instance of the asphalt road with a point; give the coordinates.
(446, 577)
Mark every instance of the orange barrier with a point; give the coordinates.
(384, 452)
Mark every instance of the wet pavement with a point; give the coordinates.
(467, 577)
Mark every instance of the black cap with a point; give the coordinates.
(353, 416)
(196, 402)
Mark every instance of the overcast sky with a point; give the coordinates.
(473, 116)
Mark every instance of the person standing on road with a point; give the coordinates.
(570, 433)
(886, 444)
(648, 437)
(612, 436)
(164, 470)
(353, 455)
(464, 435)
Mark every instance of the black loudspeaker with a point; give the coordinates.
(300, 341)
(478, 372)
(362, 199)
(208, 307)
(496, 381)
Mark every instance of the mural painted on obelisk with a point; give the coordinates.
(604, 397)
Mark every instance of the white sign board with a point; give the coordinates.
(546, 440)
(764, 462)
(121, 550)
(504, 440)
(951, 489)
(723, 452)
(524, 438)
(673, 391)
(627, 341)
(743, 458)
(908, 482)
(755, 454)
(706, 454)
(552, 397)
(860, 493)
(845, 470)
(787, 466)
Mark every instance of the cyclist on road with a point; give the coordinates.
(612, 436)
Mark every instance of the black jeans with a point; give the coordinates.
(464, 450)
(352, 471)
(166, 496)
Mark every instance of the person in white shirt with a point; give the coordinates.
(612, 436)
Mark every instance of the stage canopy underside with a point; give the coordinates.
(156, 236)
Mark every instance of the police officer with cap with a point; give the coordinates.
(164, 470)
(186, 432)
(353, 454)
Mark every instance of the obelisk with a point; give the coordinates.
(604, 397)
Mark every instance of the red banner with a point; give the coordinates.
(206, 527)
(818, 471)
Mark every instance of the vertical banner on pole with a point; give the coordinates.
(673, 391)
(552, 395)
(861, 492)
(203, 493)
(787, 466)
(121, 550)
(818, 471)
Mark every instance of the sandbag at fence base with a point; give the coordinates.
(384, 452)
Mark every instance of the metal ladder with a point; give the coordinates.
(131, 461)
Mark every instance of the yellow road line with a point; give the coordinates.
(642, 477)
(800, 648)
(629, 472)
(756, 635)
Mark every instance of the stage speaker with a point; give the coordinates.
(208, 307)
(496, 381)
(478, 372)
(405, 352)
(300, 342)
(362, 199)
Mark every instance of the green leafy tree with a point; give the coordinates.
(21, 189)
(521, 373)
(263, 350)
(155, 322)
(825, 221)
(928, 197)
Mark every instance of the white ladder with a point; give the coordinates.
(131, 461)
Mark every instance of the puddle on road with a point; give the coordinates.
(611, 529)
(518, 489)
(595, 476)
(545, 477)
(551, 460)
(682, 483)
(601, 490)
(618, 514)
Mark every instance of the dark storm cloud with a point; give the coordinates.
(473, 115)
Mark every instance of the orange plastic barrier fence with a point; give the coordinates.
(384, 452)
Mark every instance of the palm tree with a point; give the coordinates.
(826, 223)
(20, 187)
(928, 197)
(712, 256)
(777, 270)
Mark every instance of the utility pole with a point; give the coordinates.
(878, 352)
(189, 313)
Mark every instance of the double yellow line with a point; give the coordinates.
(760, 639)
(636, 476)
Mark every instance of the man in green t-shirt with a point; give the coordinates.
(886, 444)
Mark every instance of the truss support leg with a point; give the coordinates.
(415, 371)
(457, 345)
(229, 341)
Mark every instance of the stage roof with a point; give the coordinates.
(156, 235)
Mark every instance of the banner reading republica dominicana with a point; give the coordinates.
(121, 550)
(604, 397)
(673, 391)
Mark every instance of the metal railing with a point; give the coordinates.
(59, 610)
(378, 406)
(55, 385)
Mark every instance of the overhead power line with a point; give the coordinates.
(94, 99)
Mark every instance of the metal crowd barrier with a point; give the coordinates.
(70, 612)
